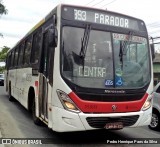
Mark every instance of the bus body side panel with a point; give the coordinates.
(25, 80)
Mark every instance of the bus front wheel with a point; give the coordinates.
(36, 120)
(155, 121)
(10, 95)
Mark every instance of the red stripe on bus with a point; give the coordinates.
(36, 84)
(107, 107)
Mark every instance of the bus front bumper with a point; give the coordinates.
(66, 121)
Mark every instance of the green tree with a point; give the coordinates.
(3, 53)
(2, 69)
(3, 10)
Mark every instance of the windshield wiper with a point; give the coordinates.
(124, 47)
(84, 41)
(121, 54)
(79, 59)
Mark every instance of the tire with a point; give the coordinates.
(155, 121)
(36, 120)
(11, 99)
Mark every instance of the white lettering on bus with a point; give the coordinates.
(126, 24)
(111, 20)
(116, 21)
(106, 19)
(91, 71)
(101, 18)
(96, 17)
(80, 15)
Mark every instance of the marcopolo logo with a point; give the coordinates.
(115, 91)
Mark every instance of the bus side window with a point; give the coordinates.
(36, 47)
(51, 65)
(12, 58)
(16, 56)
(21, 52)
(9, 60)
(27, 51)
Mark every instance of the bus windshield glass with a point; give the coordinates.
(123, 63)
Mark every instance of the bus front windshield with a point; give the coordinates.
(111, 60)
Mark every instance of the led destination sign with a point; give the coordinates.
(101, 17)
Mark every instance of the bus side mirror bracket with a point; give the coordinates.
(152, 50)
(53, 37)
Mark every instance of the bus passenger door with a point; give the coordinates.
(46, 76)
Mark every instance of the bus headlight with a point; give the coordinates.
(67, 103)
(147, 104)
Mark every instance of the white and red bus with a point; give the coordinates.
(83, 68)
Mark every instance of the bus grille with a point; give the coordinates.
(110, 97)
(100, 122)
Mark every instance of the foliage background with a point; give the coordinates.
(4, 49)
(3, 54)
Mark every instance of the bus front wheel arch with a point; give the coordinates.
(36, 120)
(32, 106)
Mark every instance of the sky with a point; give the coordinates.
(24, 14)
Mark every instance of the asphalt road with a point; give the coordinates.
(16, 122)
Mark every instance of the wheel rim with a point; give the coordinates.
(154, 121)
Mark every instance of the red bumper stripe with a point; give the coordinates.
(107, 107)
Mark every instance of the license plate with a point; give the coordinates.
(117, 125)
